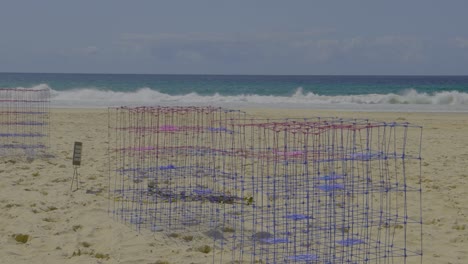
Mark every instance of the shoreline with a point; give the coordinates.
(270, 108)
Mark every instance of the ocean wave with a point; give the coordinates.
(83, 97)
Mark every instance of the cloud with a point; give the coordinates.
(397, 48)
(83, 51)
(189, 56)
(90, 50)
(216, 47)
(381, 48)
(461, 42)
(324, 51)
(179, 46)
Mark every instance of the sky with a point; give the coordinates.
(305, 37)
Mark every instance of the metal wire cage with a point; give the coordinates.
(309, 190)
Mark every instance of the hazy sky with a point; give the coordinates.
(235, 37)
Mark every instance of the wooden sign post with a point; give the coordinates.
(76, 162)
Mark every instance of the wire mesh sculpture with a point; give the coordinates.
(314, 190)
(162, 168)
(24, 122)
(327, 191)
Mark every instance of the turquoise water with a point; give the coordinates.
(239, 84)
(438, 93)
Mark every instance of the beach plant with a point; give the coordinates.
(459, 227)
(174, 235)
(49, 220)
(21, 238)
(102, 256)
(51, 208)
(228, 229)
(205, 249)
(161, 262)
(76, 253)
(187, 238)
(85, 244)
(249, 200)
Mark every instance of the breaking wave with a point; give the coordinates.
(89, 97)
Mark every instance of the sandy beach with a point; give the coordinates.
(67, 226)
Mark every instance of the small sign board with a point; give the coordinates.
(77, 153)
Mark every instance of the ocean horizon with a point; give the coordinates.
(399, 93)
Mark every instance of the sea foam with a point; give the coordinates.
(409, 99)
